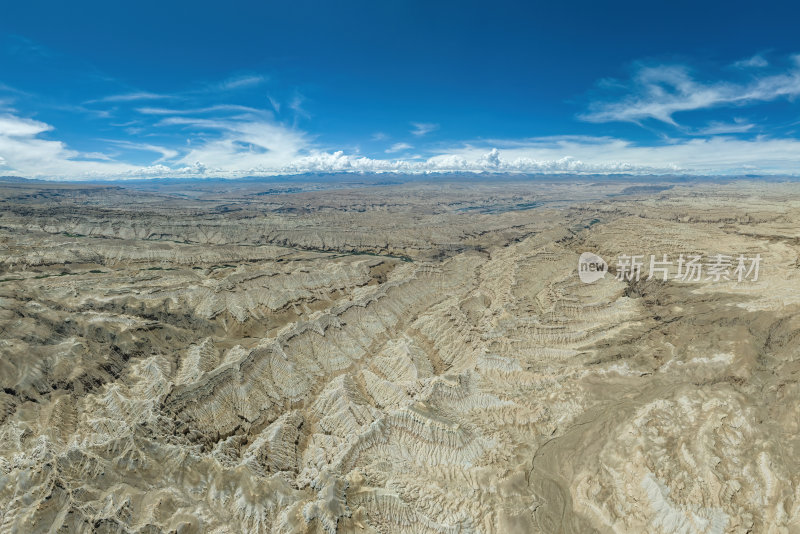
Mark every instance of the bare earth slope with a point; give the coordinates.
(400, 357)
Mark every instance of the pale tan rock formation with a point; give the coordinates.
(417, 357)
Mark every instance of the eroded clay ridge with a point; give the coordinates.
(417, 357)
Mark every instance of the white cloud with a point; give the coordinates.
(398, 147)
(26, 153)
(130, 97)
(275, 104)
(581, 155)
(661, 92)
(240, 82)
(12, 126)
(195, 111)
(491, 162)
(757, 61)
(13, 90)
(249, 141)
(252, 145)
(423, 128)
(166, 153)
(296, 105)
(230, 84)
(713, 155)
(720, 128)
(249, 144)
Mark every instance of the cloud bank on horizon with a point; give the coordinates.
(733, 116)
(224, 139)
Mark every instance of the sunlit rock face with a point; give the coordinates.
(412, 357)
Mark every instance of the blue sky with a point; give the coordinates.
(155, 89)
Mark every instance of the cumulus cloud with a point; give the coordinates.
(199, 137)
(251, 145)
(580, 155)
(710, 155)
(24, 151)
(423, 128)
(489, 162)
(662, 91)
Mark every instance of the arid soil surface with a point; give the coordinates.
(399, 356)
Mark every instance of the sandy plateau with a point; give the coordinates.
(396, 356)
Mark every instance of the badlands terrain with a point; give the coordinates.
(397, 355)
